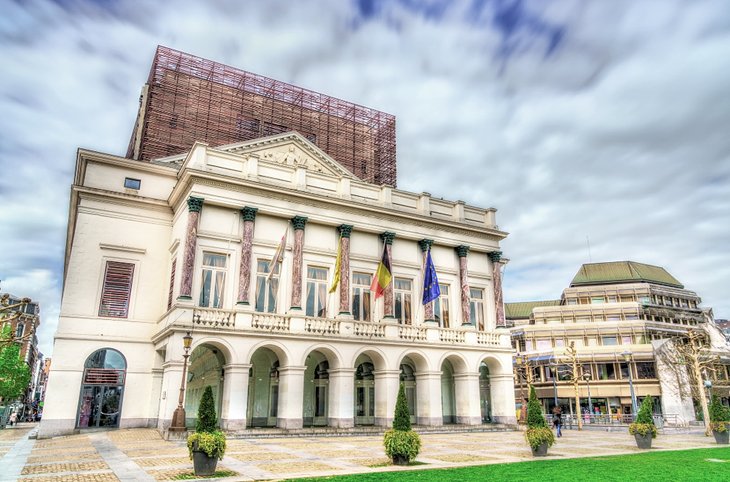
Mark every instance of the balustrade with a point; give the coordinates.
(214, 318)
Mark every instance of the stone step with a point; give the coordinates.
(361, 430)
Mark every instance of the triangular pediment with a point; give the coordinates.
(290, 149)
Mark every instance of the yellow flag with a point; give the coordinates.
(338, 264)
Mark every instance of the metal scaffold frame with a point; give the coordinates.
(190, 99)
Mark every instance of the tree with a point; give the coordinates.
(14, 372)
(401, 443)
(401, 418)
(207, 420)
(535, 417)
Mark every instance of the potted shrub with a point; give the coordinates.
(538, 434)
(208, 444)
(401, 443)
(719, 420)
(643, 428)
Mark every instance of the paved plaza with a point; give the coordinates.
(141, 454)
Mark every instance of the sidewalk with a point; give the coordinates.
(141, 454)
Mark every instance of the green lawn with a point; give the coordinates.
(681, 465)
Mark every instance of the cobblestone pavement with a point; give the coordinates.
(141, 454)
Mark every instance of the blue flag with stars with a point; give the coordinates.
(431, 289)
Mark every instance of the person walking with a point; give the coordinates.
(557, 420)
(13, 418)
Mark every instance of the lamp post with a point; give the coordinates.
(554, 370)
(627, 359)
(587, 377)
(178, 417)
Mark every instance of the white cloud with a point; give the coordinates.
(617, 134)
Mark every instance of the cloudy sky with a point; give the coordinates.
(602, 124)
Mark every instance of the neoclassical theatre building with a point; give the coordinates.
(162, 247)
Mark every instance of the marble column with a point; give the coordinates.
(388, 307)
(195, 204)
(296, 293)
(235, 397)
(244, 273)
(425, 245)
(463, 251)
(345, 231)
(496, 258)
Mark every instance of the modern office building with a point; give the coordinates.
(624, 320)
(264, 251)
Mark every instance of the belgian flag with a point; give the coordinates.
(383, 275)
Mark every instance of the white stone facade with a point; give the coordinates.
(270, 364)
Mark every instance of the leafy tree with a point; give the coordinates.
(535, 417)
(14, 372)
(207, 420)
(401, 418)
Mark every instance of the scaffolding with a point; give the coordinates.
(188, 99)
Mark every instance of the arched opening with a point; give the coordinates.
(102, 389)
(485, 393)
(316, 390)
(205, 369)
(448, 393)
(408, 379)
(263, 389)
(364, 391)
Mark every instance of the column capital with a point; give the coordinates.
(462, 250)
(387, 237)
(425, 244)
(299, 222)
(495, 256)
(249, 213)
(345, 230)
(195, 204)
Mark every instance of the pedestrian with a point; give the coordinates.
(557, 420)
(13, 418)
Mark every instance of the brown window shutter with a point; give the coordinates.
(117, 290)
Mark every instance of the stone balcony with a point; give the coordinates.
(244, 321)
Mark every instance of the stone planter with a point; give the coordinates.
(400, 460)
(643, 441)
(721, 437)
(203, 464)
(541, 450)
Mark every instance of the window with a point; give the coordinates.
(19, 330)
(317, 292)
(441, 307)
(116, 290)
(572, 301)
(544, 344)
(609, 341)
(624, 367)
(402, 293)
(606, 371)
(172, 283)
(266, 295)
(645, 370)
(361, 296)
(612, 299)
(213, 280)
(476, 308)
(626, 340)
(644, 300)
(559, 343)
(598, 300)
(130, 183)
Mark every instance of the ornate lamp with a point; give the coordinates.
(178, 417)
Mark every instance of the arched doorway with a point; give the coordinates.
(485, 393)
(448, 391)
(364, 391)
(102, 389)
(408, 379)
(263, 389)
(206, 369)
(316, 390)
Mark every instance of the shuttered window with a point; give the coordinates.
(117, 289)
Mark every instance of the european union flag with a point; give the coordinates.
(431, 289)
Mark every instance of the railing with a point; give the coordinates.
(214, 318)
(487, 338)
(269, 322)
(411, 333)
(322, 326)
(452, 336)
(368, 329)
(604, 420)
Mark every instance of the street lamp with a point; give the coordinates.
(554, 369)
(627, 358)
(587, 377)
(178, 417)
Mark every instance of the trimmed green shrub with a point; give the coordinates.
(539, 435)
(535, 418)
(719, 415)
(402, 417)
(212, 443)
(207, 420)
(644, 422)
